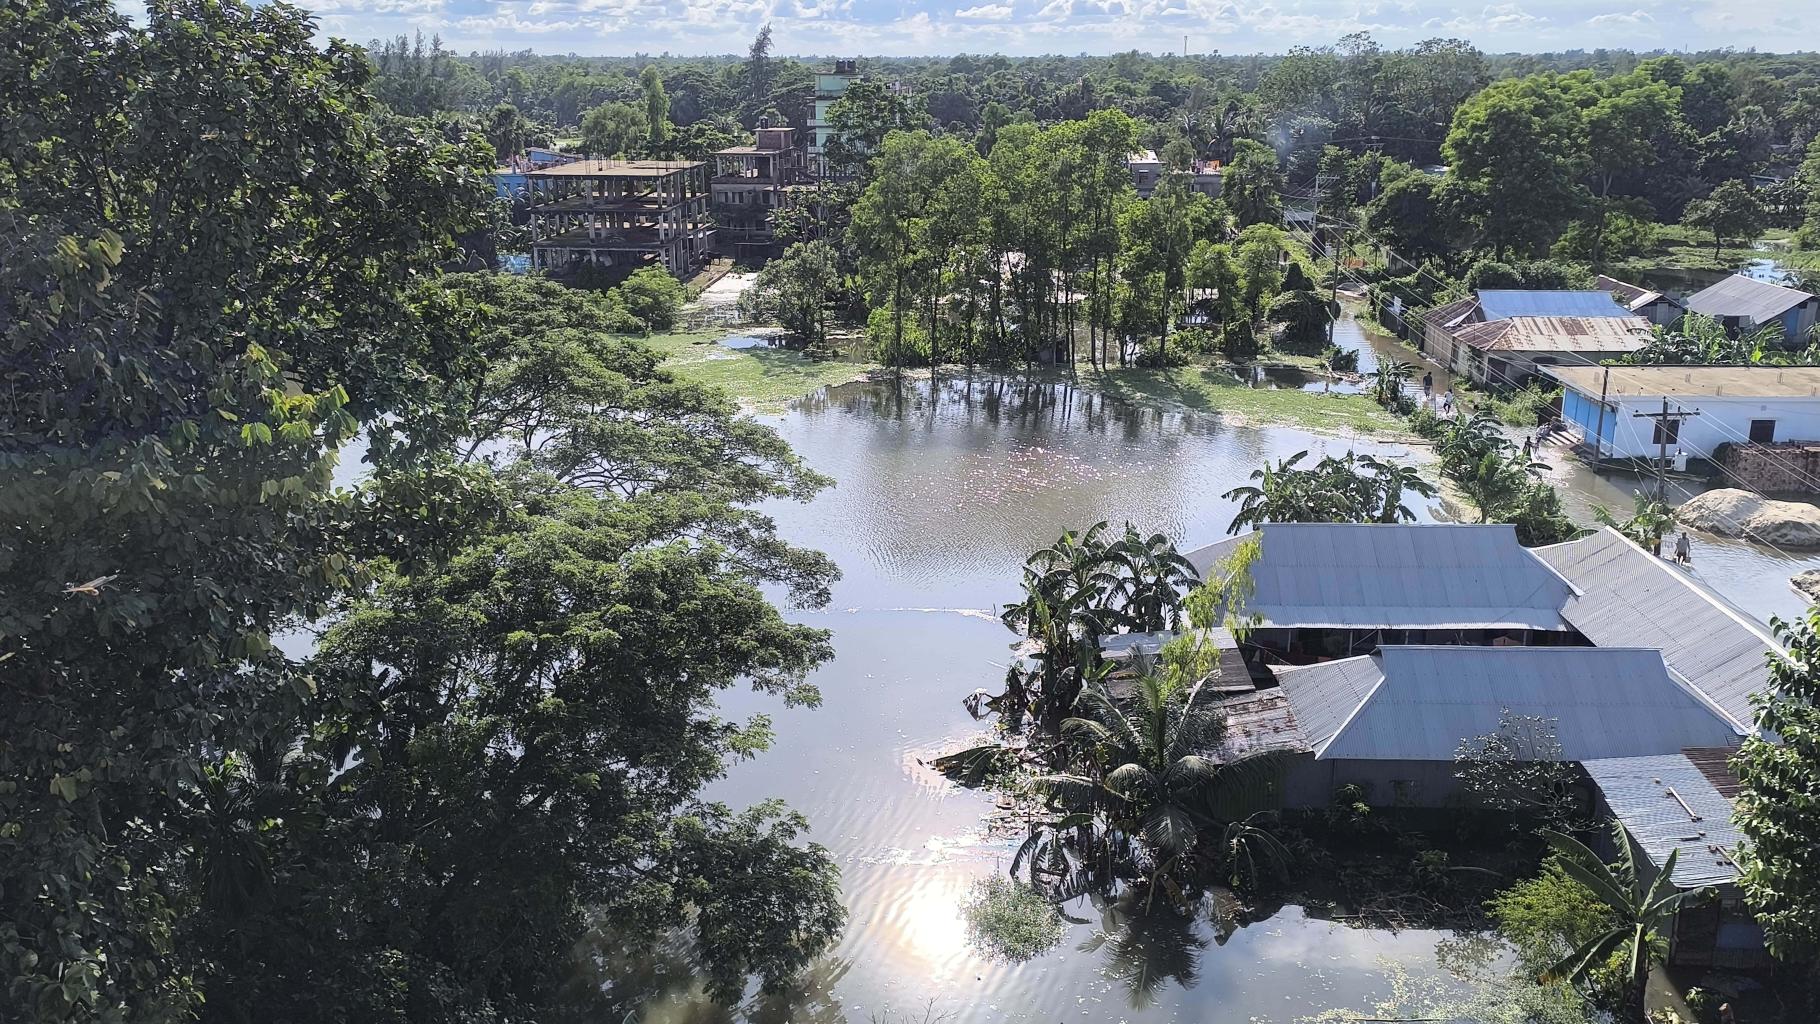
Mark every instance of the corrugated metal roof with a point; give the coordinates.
(1691, 381)
(1668, 804)
(1605, 702)
(1258, 722)
(1558, 334)
(1330, 693)
(1737, 295)
(1502, 304)
(1401, 576)
(1630, 597)
(1631, 296)
(1453, 313)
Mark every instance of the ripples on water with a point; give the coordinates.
(941, 494)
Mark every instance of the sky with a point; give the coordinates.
(1023, 27)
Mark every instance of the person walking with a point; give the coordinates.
(1684, 550)
(1447, 403)
(1428, 383)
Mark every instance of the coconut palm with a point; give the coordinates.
(1642, 913)
(1140, 775)
(1649, 520)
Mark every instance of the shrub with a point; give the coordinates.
(1426, 424)
(1197, 341)
(654, 297)
(1011, 920)
(1156, 355)
(1304, 317)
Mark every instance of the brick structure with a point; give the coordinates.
(1791, 467)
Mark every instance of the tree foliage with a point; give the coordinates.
(524, 611)
(1778, 807)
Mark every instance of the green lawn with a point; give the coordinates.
(1206, 389)
(765, 379)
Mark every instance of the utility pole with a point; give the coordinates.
(1321, 182)
(1598, 440)
(1662, 419)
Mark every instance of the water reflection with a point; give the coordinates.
(943, 490)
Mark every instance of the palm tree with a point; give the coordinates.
(1393, 479)
(1492, 483)
(1140, 773)
(1466, 441)
(1642, 914)
(1065, 611)
(1649, 520)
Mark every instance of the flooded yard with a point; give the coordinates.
(941, 496)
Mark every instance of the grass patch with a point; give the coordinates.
(1681, 248)
(1209, 389)
(1010, 920)
(768, 379)
(762, 378)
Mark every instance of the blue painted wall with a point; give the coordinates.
(1584, 410)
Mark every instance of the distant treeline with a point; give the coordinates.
(1355, 93)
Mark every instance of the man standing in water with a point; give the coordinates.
(1684, 550)
(1428, 384)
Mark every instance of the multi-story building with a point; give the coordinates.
(829, 87)
(1148, 172)
(622, 214)
(751, 185)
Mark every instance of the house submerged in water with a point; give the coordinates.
(1382, 648)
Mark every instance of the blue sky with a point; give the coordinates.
(868, 27)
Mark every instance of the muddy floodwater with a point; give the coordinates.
(941, 495)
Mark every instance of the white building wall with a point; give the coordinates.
(1719, 420)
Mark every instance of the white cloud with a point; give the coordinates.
(985, 12)
(1636, 17)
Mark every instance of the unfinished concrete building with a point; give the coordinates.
(751, 185)
(620, 214)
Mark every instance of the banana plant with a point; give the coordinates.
(1643, 913)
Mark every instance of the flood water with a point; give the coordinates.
(941, 496)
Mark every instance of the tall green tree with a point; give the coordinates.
(1251, 185)
(525, 612)
(1778, 808)
(1517, 146)
(614, 130)
(795, 290)
(1731, 211)
(657, 110)
(209, 235)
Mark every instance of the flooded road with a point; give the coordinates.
(940, 498)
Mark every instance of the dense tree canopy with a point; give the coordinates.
(220, 265)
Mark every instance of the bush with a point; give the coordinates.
(1426, 424)
(1197, 341)
(912, 349)
(1155, 354)
(1011, 920)
(1240, 340)
(1341, 360)
(653, 296)
(1304, 316)
(1539, 518)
